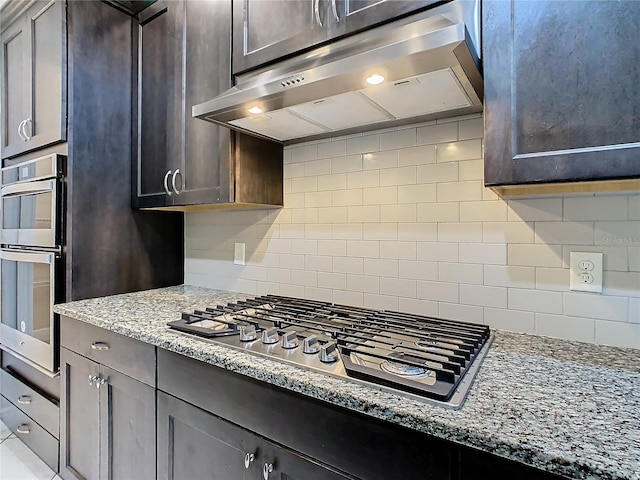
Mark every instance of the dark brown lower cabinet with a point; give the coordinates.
(107, 422)
(195, 444)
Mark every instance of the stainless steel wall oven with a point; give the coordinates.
(31, 268)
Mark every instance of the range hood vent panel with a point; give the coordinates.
(429, 62)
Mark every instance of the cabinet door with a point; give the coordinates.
(34, 79)
(79, 417)
(195, 444)
(128, 428)
(280, 463)
(561, 91)
(267, 30)
(15, 85)
(349, 16)
(160, 109)
(205, 168)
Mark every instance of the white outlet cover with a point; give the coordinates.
(238, 254)
(589, 263)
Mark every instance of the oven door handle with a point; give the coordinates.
(25, 256)
(29, 188)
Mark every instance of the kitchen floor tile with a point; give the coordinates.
(17, 462)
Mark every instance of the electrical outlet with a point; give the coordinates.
(586, 272)
(238, 254)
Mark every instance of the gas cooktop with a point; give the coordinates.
(430, 359)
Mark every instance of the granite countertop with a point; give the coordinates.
(566, 407)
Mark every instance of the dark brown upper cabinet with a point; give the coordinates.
(562, 90)
(268, 30)
(33, 80)
(183, 162)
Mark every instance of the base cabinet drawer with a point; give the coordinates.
(39, 408)
(41, 442)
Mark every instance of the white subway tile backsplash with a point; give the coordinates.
(423, 232)
(420, 193)
(351, 163)
(438, 172)
(509, 320)
(617, 333)
(535, 209)
(381, 267)
(398, 176)
(437, 291)
(460, 191)
(456, 151)
(366, 144)
(596, 306)
(535, 255)
(417, 155)
(460, 273)
(595, 208)
(559, 233)
(509, 276)
(560, 326)
(399, 219)
(535, 300)
(399, 139)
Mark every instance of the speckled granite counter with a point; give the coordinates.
(566, 407)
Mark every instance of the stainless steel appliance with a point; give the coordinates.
(30, 259)
(430, 359)
(419, 68)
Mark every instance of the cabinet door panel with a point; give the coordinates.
(205, 171)
(561, 91)
(195, 444)
(266, 30)
(160, 109)
(127, 416)
(48, 112)
(287, 465)
(15, 85)
(79, 417)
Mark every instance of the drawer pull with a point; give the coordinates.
(23, 429)
(100, 346)
(24, 399)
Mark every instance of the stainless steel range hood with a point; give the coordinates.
(428, 62)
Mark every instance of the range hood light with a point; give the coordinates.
(375, 79)
(255, 110)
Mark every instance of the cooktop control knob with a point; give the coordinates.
(310, 345)
(270, 335)
(289, 339)
(329, 353)
(247, 333)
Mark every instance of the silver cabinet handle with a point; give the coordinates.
(102, 346)
(266, 470)
(24, 429)
(24, 129)
(173, 181)
(248, 459)
(20, 131)
(316, 10)
(100, 382)
(24, 399)
(335, 11)
(166, 182)
(92, 379)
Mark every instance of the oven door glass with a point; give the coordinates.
(29, 214)
(27, 296)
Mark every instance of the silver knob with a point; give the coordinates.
(247, 333)
(328, 353)
(166, 182)
(27, 137)
(270, 335)
(24, 399)
(310, 345)
(24, 429)
(100, 381)
(100, 346)
(92, 380)
(289, 339)
(248, 459)
(266, 470)
(22, 137)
